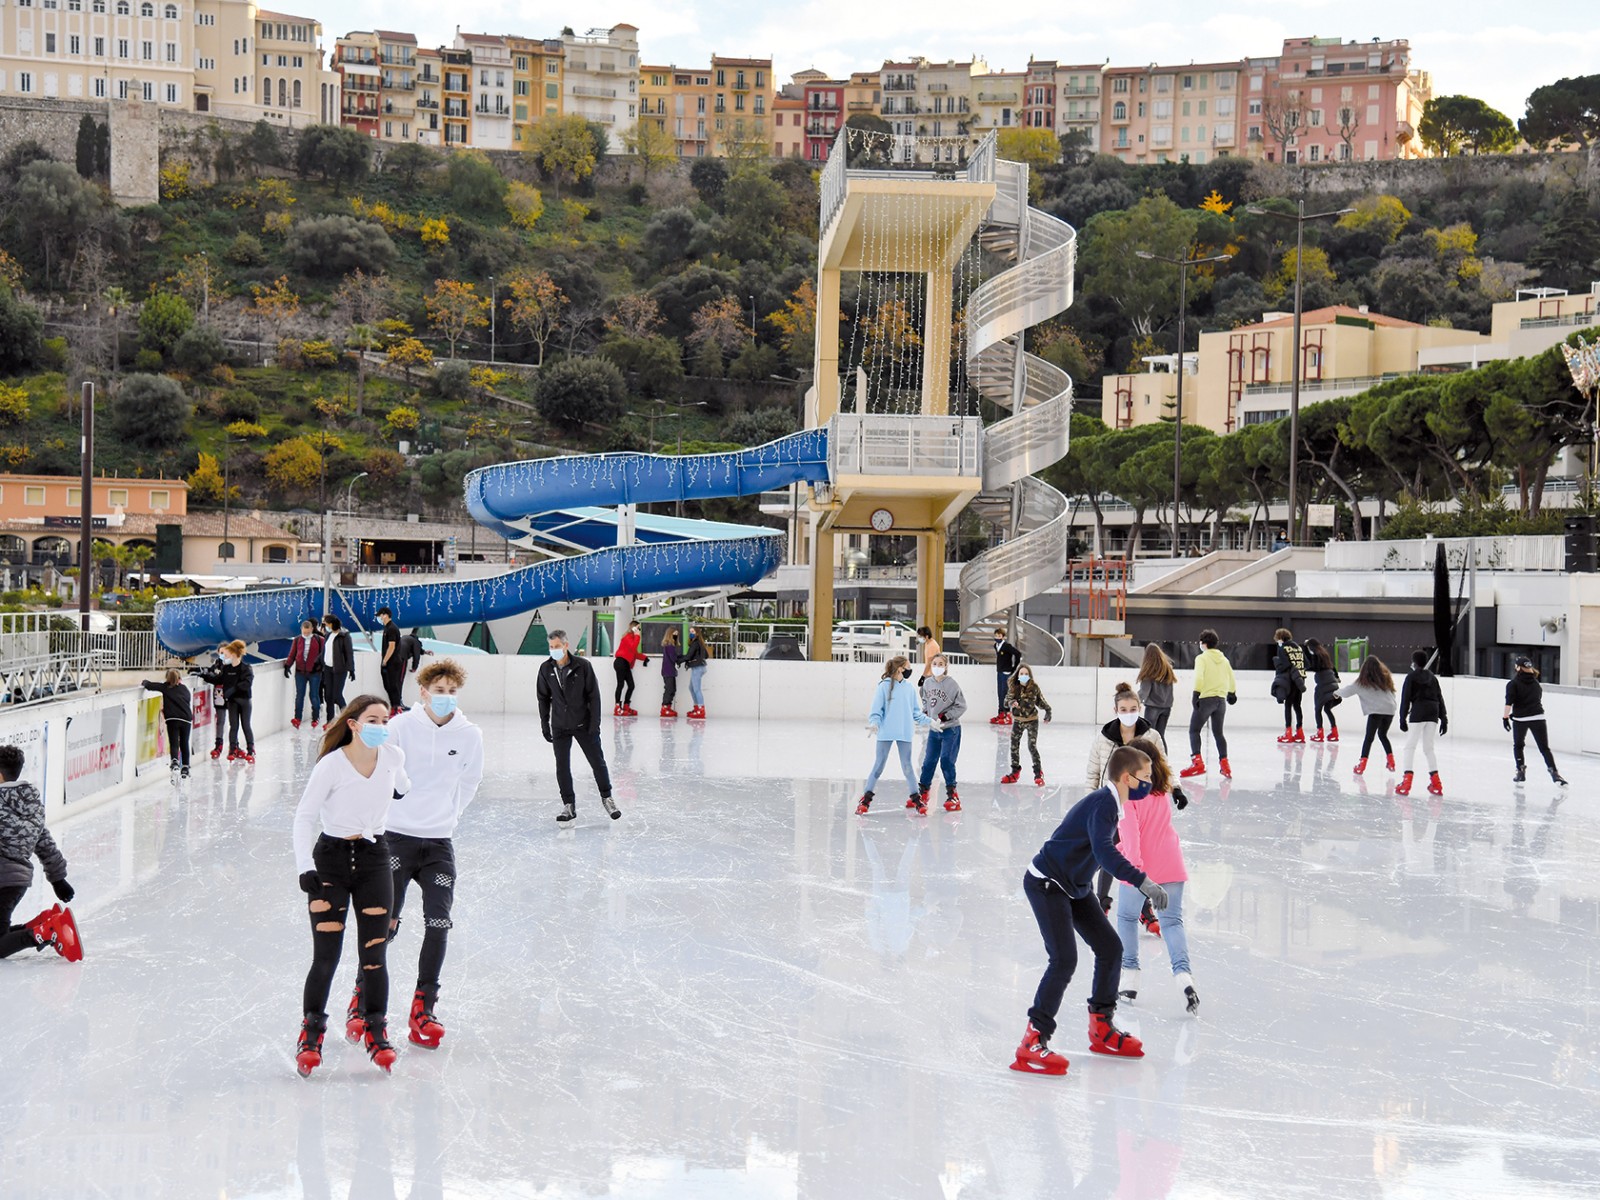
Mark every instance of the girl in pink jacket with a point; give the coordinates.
(1147, 839)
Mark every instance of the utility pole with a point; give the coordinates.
(1183, 265)
(491, 320)
(86, 507)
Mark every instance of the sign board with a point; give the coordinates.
(32, 740)
(73, 522)
(152, 734)
(94, 752)
(204, 710)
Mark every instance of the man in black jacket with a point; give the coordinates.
(569, 710)
(1006, 658)
(339, 663)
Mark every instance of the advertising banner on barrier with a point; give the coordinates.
(94, 751)
(204, 710)
(32, 739)
(152, 734)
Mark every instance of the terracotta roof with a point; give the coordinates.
(278, 16)
(480, 37)
(1326, 316)
(387, 35)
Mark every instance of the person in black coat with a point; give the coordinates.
(177, 710)
(569, 711)
(1422, 711)
(1289, 685)
(1006, 658)
(339, 663)
(1524, 714)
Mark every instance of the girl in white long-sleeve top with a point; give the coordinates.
(347, 866)
(444, 758)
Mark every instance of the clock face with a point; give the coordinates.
(882, 520)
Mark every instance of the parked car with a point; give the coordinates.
(850, 635)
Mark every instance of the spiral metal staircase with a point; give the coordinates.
(1033, 556)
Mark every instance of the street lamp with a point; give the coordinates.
(1183, 265)
(491, 320)
(1299, 217)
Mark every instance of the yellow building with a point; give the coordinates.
(655, 96)
(863, 94)
(397, 67)
(536, 65)
(456, 95)
(1242, 376)
(742, 104)
(690, 104)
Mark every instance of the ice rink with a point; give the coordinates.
(743, 990)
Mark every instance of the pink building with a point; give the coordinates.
(824, 116)
(1326, 100)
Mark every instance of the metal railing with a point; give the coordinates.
(833, 182)
(52, 634)
(1359, 383)
(873, 444)
(1543, 552)
(1579, 319)
(47, 677)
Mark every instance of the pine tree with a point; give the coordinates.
(1569, 244)
(102, 150)
(86, 147)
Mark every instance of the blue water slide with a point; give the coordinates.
(537, 502)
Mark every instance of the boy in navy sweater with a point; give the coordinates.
(1060, 887)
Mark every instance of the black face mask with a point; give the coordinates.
(906, 673)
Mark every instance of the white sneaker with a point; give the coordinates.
(1129, 988)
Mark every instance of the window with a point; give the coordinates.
(1120, 85)
(117, 498)
(296, 93)
(283, 93)
(1255, 108)
(1163, 83)
(147, 51)
(99, 87)
(147, 9)
(1316, 152)
(49, 43)
(74, 497)
(225, 550)
(1163, 110)
(266, 93)
(1316, 118)
(552, 91)
(172, 52)
(172, 93)
(148, 91)
(1202, 109)
(1186, 111)
(171, 12)
(1141, 108)
(33, 495)
(551, 67)
(1188, 83)
(74, 44)
(122, 89)
(25, 85)
(122, 8)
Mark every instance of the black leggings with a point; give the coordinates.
(1293, 714)
(1321, 708)
(13, 937)
(357, 873)
(1377, 727)
(431, 864)
(1213, 709)
(239, 714)
(624, 670)
(178, 741)
(669, 691)
(1541, 738)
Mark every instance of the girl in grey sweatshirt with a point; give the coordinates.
(1374, 687)
(942, 700)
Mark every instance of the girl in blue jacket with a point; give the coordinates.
(895, 712)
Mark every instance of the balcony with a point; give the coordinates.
(1085, 89)
(864, 444)
(821, 128)
(938, 87)
(427, 77)
(397, 60)
(861, 106)
(498, 110)
(357, 83)
(1081, 118)
(595, 93)
(427, 104)
(997, 97)
(1345, 70)
(820, 105)
(900, 83)
(391, 85)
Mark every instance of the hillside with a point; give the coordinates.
(656, 272)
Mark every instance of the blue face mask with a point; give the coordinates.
(374, 735)
(559, 653)
(1139, 790)
(442, 706)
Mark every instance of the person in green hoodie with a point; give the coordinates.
(1214, 689)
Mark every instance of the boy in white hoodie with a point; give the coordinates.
(444, 758)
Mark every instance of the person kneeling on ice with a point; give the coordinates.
(1059, 885)
(22, 836)
(1148, 840)
(444, 758)
(942, 700)
(347, 866)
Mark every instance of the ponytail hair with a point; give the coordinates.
(1124, 692)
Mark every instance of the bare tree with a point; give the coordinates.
(1282, 119)
(1349, 126)
(365, 300)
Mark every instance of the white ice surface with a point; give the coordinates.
(742, 990)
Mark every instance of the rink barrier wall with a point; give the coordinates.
(274, 705)
(777, 691)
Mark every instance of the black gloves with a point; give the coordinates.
(1180, 798)
(64, 891)
(1197, 699)
(310, 883)
(547, 736)
(1506, 721)
(1444, 726)
(1233, 698)
(944, 716)
(1403, 726)
(1047, 715)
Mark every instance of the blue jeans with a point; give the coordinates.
(1002, 680)
(696, 677)
(301, 683)
(942, 749)
(905, 765)
(1129, 901)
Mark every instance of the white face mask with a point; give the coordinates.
(1024, 677)
(1128, 718)
(559, 653)
(938, 671)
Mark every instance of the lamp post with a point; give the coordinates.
(1300, 216)
(491, 320)
(1183, 265)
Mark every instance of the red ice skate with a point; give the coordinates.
(863, 804)
(1333, 735)
(1299, 737)
(1389, 761)
(1315, 737)
(667, 711)
(1196, 767)
(1038, 779)
(308, 1051)
(1223, 768)
(1106, 1038)
(697, 713)
(1013, 777)
(919, 801)
(66, 930)
(1435, 784)
(912, 803)
(379, 1050)
(1035, 1057)
(1403, 788)
(1287, 739)
(295, 721)
(355, 1025)
(425, 1027)
(1361, 767)
(952, 801)
(618, 710)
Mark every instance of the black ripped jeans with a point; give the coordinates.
(354, 875)
(431, 863)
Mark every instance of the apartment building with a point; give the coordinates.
(455, 92)
(1077, 111)
(1325, 100)
(355, 58)
(690, 111)
(742, 91)
(824, 101)
(491, 78)
(295, 89)
(1157, 114)
(655, 96)
(863, 94)
(1243, 376)
(929, 108)
(430, 96)
(996, 101)
(601, 78)
(789, 136)
(536, 74)
(397, 71)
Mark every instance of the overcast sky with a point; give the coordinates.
(1496, 51)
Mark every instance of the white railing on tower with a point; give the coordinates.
(882, 444)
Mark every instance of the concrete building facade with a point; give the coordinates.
(601, 78)
(491, 90)
(1326, 100)
(1156, 114)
